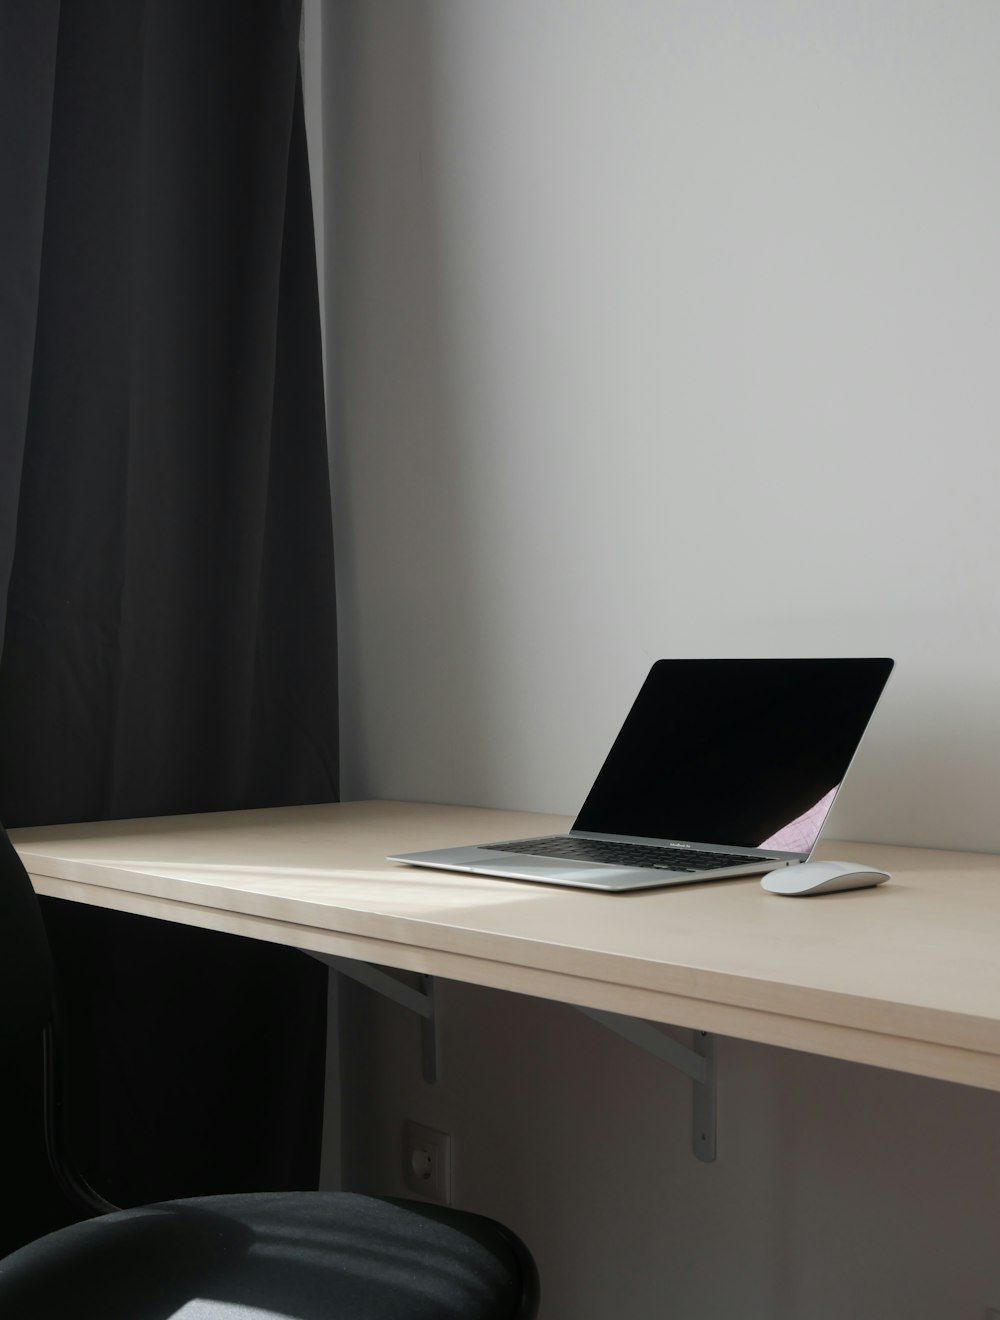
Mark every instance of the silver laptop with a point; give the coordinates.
(722, 768)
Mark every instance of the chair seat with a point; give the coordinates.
(272, 1256)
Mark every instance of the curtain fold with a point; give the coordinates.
(27, 72)
(170, 607)
(166, 564)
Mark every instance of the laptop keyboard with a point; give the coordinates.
(621, 854)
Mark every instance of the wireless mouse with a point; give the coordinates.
(822, 877)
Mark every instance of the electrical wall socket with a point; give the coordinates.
(427, 1162)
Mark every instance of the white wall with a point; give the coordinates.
(659, 328)
(616, 268)
(839, 1193)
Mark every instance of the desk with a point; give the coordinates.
(905, 976)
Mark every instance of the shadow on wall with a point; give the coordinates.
(408, 580)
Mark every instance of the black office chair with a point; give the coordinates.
(287, 1255)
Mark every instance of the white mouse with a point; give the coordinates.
(822, 877)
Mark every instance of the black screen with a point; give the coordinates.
(740, 753)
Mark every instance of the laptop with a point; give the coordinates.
(722, 768)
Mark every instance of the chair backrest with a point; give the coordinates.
(25, 963)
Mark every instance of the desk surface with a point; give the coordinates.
(905, 976)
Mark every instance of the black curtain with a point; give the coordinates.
(166, 573)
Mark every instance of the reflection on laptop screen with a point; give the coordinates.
(739, 753)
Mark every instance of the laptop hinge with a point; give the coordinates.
(696, 1061)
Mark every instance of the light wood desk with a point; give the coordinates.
(906, 976)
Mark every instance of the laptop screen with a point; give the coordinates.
(739, 753)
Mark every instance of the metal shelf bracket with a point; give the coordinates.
(696, 1062)
(420, 1001)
